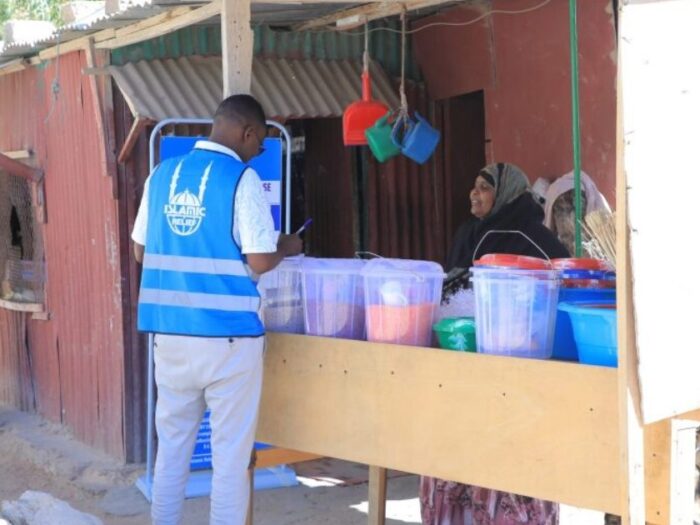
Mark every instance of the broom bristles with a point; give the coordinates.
(600, 228)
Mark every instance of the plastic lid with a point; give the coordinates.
(332, 266)
(580, 263)
(406, 268)
(519, 262)
(588, 274)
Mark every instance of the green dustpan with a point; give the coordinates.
(379, 139)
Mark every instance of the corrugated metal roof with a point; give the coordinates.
(205, 40)
(136, 10)
(190, 87)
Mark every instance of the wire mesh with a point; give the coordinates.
(21, 247)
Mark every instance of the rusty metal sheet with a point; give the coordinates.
(77, 356)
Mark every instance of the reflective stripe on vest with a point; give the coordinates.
(209, 301)
(181, 263)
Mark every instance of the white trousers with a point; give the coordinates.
(192, 373)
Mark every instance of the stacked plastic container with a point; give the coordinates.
(401, 300)
(281, 294)
(334, 300)
(516, 305)
(583, 281)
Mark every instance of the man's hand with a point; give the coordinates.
(289, 244)
(138, 252)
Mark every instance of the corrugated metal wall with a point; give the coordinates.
(408, 210)
(385, 46)
(329, 185)
(77, 357)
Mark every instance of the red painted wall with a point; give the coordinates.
(522, 63)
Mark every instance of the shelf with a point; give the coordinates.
(18, 306)
(540, 428)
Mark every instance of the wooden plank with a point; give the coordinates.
(683, 471)
(21, 154)
(383, 405)
(629, 402)
(174, 23)
(236, 46)
(91, 61)
(16, 306)
(137, 127)
(366, 13)
(151, 21)
(14, 66)
(662, 68)
(19, 169)
(71, 45)
(270, 457)
(377, 496)
(669, 455)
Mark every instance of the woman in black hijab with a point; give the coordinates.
(501, 200)
(502, 204)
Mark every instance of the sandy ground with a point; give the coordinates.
(42, 456)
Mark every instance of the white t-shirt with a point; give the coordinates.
(253, 227)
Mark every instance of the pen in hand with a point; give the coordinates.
(303, 227)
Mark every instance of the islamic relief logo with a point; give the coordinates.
(184, 210)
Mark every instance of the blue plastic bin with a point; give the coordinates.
(564, 344)
(595, 331)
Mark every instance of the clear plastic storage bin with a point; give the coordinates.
(516, 306)
(280, 291)
(401, 300)
(334, 301)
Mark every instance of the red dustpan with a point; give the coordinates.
(362, 114)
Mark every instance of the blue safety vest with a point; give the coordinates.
(195, 279)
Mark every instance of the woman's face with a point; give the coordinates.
(482, 197)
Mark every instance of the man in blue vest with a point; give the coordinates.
(203, 231)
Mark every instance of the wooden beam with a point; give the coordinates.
(631, 430)
(14, 66)
(73, 45)
(20, 154)
(173, 23)
(91, 60)
(236, 46)
(377, 496)
(18, 169)
(17, 306)
(152, 21)
(137, 127)
(368, 12)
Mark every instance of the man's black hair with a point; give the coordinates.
(242, 108)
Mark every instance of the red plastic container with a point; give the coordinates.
(361, 115)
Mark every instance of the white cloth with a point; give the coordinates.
(594, 199)
(191, 373)
(253, 227)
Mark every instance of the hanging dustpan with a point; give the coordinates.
(362, 114)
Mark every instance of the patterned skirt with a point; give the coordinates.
(450, 503)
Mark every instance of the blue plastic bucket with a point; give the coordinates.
(595, 331)
(564, 344)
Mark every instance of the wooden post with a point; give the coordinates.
(629, 399)
(377, 495)
(236, 46)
